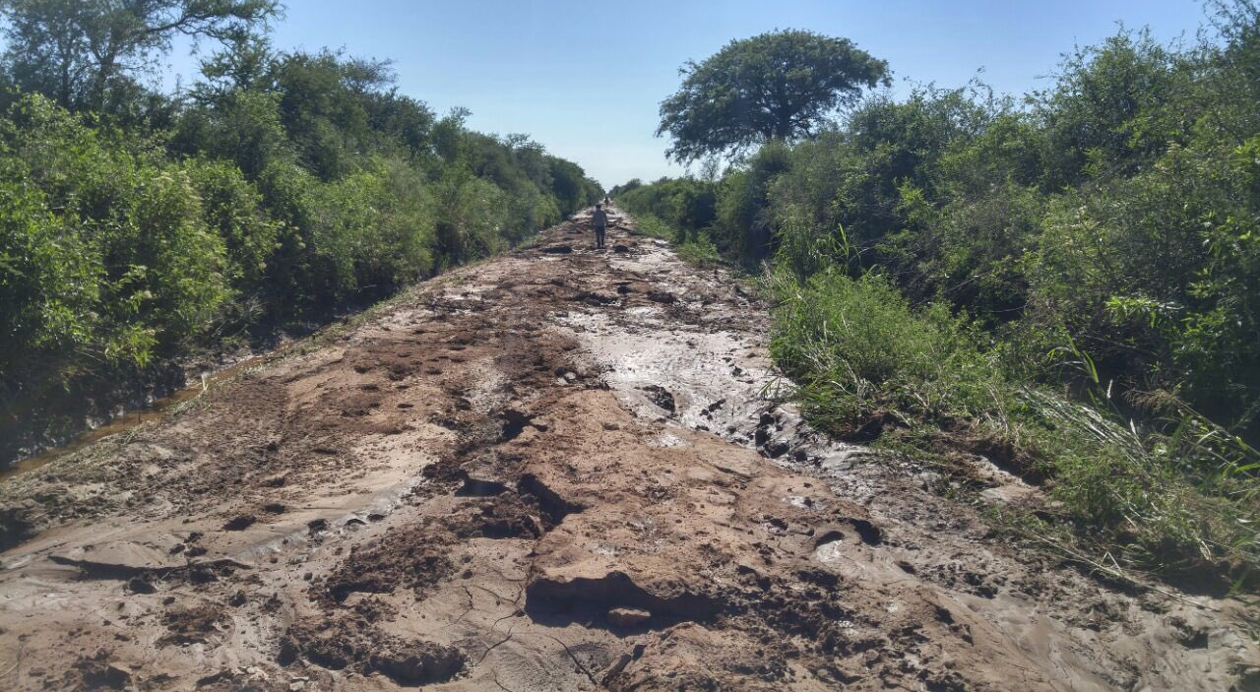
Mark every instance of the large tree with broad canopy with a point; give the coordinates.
(778, 85)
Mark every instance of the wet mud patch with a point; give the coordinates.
(597, 298)
(604, 601)
(526, 508)
(505, 516)
(473, 487)
(141, 578)
(240, 522)
(515, 422)
(958, 439)
(693, 657)
(16, 527)
(529, 509)
(554, 507)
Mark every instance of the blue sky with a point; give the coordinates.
(586, 78)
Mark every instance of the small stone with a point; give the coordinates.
(628, 617)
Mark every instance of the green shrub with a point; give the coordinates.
(372, 232)
(744, 225)
(49, 281)
(859, 353)
(234, 208)
(1070, 282)
(653, 227)
(855, 345)
(686, 205)
(288, 188)
(700, 250)
(132, 215)
(469, 217)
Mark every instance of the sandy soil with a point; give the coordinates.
(552, 471)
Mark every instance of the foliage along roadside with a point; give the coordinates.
(221, 220)
(1066, 285)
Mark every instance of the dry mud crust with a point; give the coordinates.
(551, 471)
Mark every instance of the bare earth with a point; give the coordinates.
(551, 471)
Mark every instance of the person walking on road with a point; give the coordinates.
(600, 220)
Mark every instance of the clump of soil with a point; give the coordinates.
(191, 625)
(414, 558)
(95, 673)
(352, 642)
(661, 397)
(505, 516)
(240, 523)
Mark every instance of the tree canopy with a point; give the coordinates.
(77, 51)
(778, 85)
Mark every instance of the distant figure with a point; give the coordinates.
(600, 219)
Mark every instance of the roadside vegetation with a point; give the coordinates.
(694, 247)
(280, 190)
(1066, 283)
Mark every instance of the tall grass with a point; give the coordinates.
(695, 247)
(1183, 506)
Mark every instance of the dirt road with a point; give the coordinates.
(550, 471)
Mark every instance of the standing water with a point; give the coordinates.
(130, 419)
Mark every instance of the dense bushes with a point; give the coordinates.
(283, 191)
(685, 204)
(869, 365)
(147, 268)
(1070, 281)
(857, 347)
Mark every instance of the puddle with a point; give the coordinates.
(714, 384)
(129, 419)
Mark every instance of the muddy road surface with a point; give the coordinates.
(556, 470)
